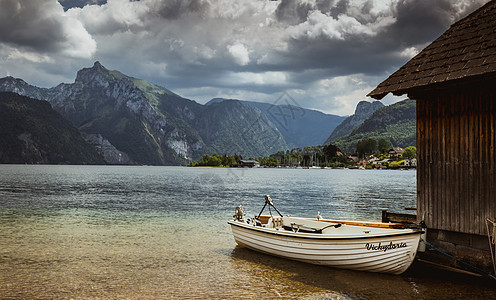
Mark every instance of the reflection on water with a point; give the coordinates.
(160, 232)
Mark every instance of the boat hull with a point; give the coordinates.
(386, 253)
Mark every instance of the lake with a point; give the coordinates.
(161, 232)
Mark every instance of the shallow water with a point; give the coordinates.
(160, 232)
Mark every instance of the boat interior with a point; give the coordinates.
(309, 225)
(323, 226)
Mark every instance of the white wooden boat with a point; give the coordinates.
(370, 247)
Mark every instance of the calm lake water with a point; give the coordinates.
(161, 232)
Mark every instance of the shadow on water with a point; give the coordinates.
(419, 282)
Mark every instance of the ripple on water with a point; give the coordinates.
(156, 232)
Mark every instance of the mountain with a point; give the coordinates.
(233, 127)
(21, 87)
(32, 132)
(299, 126)
(143, 123)
(396, 123)
(363, 110)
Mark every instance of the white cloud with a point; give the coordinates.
(251, 78)
(114, 16)
(338, 95)
(409, 52)
(15, 54)
(239, 53)
(79, 42)
(319, 24)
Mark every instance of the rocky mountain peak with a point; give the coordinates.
(365, 108)
(98, 65)
(13, 83)
(97, 76)
(21, 87)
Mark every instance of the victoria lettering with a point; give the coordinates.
(385, 247)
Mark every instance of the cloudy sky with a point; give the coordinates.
(326, 54)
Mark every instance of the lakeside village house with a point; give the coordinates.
(453, 83)
(376, 163)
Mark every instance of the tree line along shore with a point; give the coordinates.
(369, 154)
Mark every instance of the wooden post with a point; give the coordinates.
(385, 216)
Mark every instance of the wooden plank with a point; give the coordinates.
(488, 156)
(475, 166)
(265, 218)
(392, 217)
(451, 166)
(440, 204)
(363, 223)
(420, 158)
(443, 213)
(463, 206)
(476, 116)
(468, 163)
(491, 157)
(445, 163)
(479, 116)
(492, 149)
(429, 161)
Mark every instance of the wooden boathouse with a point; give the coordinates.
(453, 81)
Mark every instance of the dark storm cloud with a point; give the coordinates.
(67, 4)
(420, 21)
(295, 11)
(174, 9)
(307, 40)
(329, 51)
(416, 24)
(26, 24)
(340, 7)
(39, 26)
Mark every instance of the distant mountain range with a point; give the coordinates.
(139, 122)
(131, 121)
(119, 119)
(396, 123)
(299, 126)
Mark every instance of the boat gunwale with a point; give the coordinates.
(321, 236)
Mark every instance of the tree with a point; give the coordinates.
(330, 150)
(269, 162)
(365, 147)
(297, 157)
(410, 152)
(306, 160)
(214, 161)
(383, 145)
(228, 161)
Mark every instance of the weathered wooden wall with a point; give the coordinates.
(456, 171)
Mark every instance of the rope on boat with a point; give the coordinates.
(268, 201)
(478, 270)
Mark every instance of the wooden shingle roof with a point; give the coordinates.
(466, 49)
